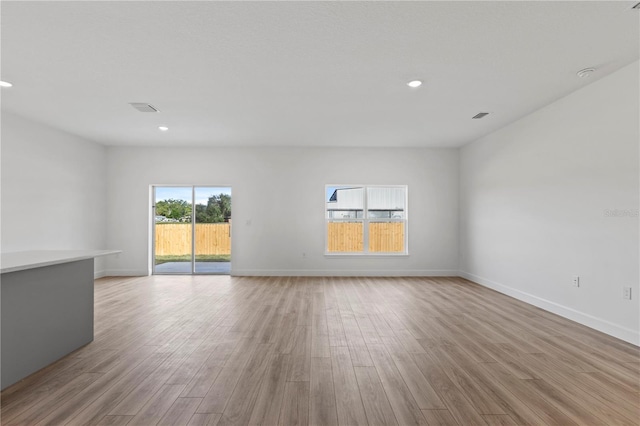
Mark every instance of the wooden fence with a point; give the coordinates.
(215, 238)
(345, 237)
(386, 237)
(348, 237)
(175, 239)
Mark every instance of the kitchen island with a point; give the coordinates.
(46, 308)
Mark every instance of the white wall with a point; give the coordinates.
(280, 191)
(534, 197)
(53, 189)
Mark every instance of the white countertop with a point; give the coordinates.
(22, 260)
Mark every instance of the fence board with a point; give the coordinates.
(345, 237)
(387, 237)
(214, 238)
(348, 237)
(175, 239)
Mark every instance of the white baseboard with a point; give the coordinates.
(99, 274)
(615, 330)
(344, 273)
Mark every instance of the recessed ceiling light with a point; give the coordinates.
(414, 83)
(163, 128)
(5, 84)
(585, 72)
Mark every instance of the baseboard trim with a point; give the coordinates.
(615, 330)
(344, 273)
(99, 274)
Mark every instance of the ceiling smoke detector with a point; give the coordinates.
(480, 115)
(144, 107)
(585, 72)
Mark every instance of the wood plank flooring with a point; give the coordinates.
(219, 350)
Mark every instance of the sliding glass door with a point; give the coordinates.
(173, 242)
(191, 230)
(212, 230)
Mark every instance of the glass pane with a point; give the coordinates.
(344, 202)
(386, 202)
(386, 237)
(345, 237)
(213, 230)
(173, 230)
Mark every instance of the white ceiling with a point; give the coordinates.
(302, 73)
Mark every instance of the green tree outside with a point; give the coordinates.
(173, 209)
(217, 210)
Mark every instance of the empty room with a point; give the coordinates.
(323, 213)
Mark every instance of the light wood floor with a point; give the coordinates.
(349, 351)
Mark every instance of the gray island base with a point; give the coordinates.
(46, 308)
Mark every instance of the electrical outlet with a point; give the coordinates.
(576, 281)
(626, 293)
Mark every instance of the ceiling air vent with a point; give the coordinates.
(480, 115)
(143, 107)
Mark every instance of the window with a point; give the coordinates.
(366, 219)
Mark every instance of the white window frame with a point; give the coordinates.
(365, 220)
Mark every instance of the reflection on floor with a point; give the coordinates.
(222, 268)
